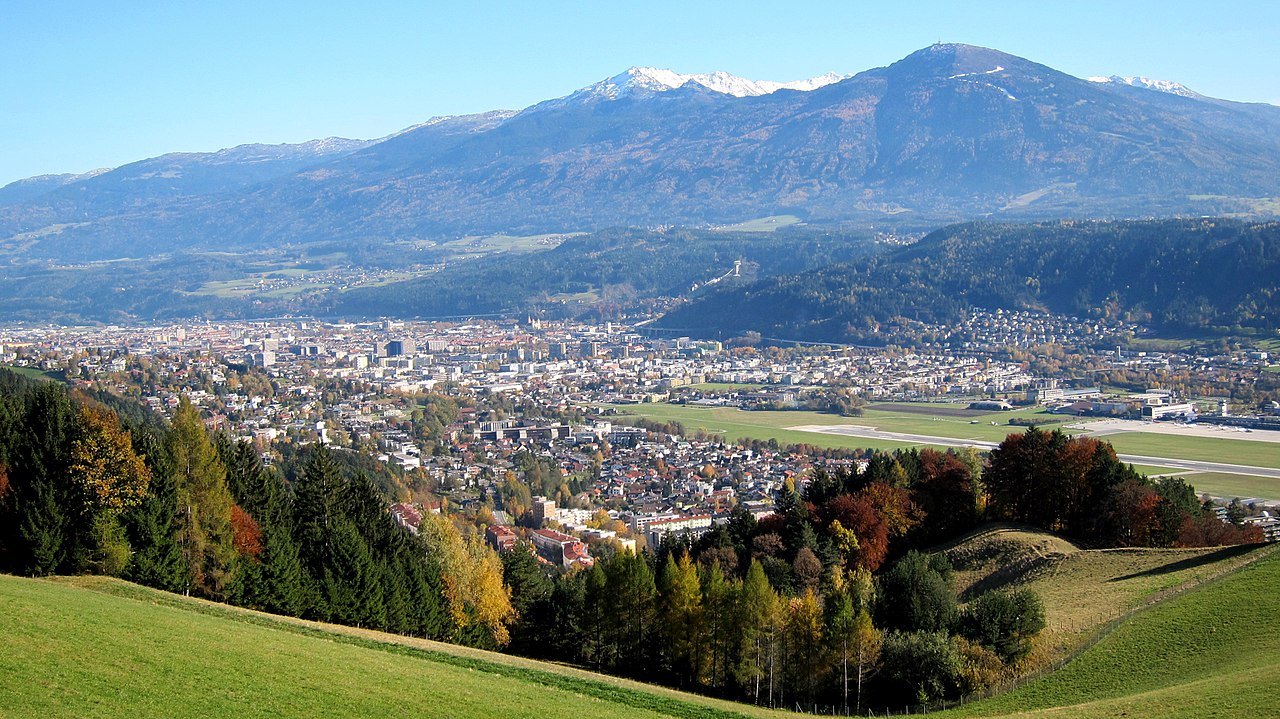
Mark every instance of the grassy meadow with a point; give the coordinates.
(87, 646)
(1212, 652)
(1082, 589)
(103, 648)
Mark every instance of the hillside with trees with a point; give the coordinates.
(831, 601)
(1206, 276)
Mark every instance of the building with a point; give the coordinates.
(655, 528)
(1269, 525)
(544, 509)
(561, 549)
(407, 516)
(1161, 411)
(545, 433)
(1045, 392)
(501, 537)
(397, 348)
(997, 405)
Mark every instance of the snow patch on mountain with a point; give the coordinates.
(653, 79)
(1173, 88)
(993, 71)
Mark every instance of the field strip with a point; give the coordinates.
(1188, 465)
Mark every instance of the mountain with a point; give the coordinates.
(1169, 86)
(649, 80)
(951, 132)
(1185, 276)
(104, 203)
(33, 187)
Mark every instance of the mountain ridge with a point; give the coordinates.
(949, 133)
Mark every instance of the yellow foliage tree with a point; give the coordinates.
(472, 577)
(104, 464)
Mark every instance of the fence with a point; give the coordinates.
(1104, 624)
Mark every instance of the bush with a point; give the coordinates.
(916, 594)
(1004, 622)
(922, 666)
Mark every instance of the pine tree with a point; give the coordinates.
(49, 532)
(281, 582)
(316, 516)
(152, 526)
(351, 581)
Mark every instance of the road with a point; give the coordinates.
(1183, 464)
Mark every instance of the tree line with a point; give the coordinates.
(830, 601)
(1204, 276)
(173, 506)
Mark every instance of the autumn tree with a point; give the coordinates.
(110, 479)
(479, 604)
(681, 617)
(204, 504)
(806, 663)
(756, 612)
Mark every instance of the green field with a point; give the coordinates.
(1221, 484)
(942, 420)
(734, 423)
(1212, 652)
(957, 426)
(88, 647)
(475, 245)
(30, 372)
(1081, 589)
(1208, 449)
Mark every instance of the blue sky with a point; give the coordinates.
(86, 85)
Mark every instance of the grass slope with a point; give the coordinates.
(1213, 652)
(104, 648)
(1081, 589)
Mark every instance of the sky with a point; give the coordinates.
(93, 84)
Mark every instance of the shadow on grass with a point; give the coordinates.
(1191, 562)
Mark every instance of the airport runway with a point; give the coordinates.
(1183, 464)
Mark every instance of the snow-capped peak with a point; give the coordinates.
(1173, 88)
(655, 79)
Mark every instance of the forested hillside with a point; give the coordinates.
(602, 272)
(1177, 276)
(829, 601)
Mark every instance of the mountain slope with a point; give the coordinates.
(949, 132)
